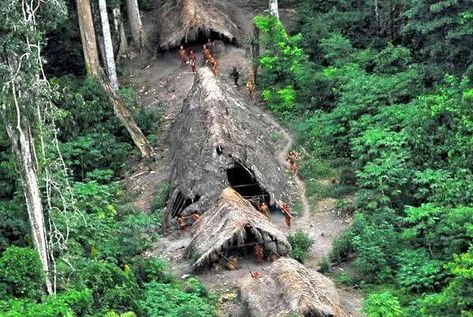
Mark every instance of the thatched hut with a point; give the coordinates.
(182, 21)
(221, 140)
(289, 289)
(233, 225)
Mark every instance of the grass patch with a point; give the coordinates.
(162, 196)
(315, 168)
(317, 190)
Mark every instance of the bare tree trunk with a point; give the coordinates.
(376, 13)
(255, 51)
(87, 27)
(108, 46)
(120, 30)
(22, 145)
(87, 33)
(137, 32)
(127, 120)
(273, 8)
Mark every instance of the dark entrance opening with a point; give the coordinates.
(243, 181)
(246, 248)
(202, 38)
(182, 202)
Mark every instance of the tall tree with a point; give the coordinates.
(134, 18)
(107, 38)
(90, 47)
(87, 33)
(442, 31)
(120, 31)
(273, 8)
(23, 99)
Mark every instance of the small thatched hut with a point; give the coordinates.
(233, 224)
(221, 140)
(182, 21)
(289, 288)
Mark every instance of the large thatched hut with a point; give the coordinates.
(289, 289)
(233, 225)
(182, 21)
(221, 140)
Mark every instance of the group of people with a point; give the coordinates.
(190, 57)
(188, 221)
(264, 209)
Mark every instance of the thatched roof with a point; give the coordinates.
(289, 287)
(227, 225)
(183, 20)
(219, 140)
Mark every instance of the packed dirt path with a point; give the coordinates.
(163, 85)
(282, 158)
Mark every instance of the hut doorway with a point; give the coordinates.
(182, 202)
(243, 181)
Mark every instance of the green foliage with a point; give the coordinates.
(382, 305)
(152, 269)
(457, 298)
(166, 300)
(162, 196)
(95, 151)
(70, 304)
(300, 243)
(112, 287)
(14, 226)
(417, 272)
(376, 244)
(285, 75)
(21, 273)
(324, 265)
(341, 248)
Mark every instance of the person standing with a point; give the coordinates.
(183, 56)
(236, 75)
(192, 60)
(210, 45)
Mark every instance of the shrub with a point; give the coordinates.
(152, 269)
(382, 305)
(301, 243)
(341, 248)
(21, 273)
(167, 300)
(162, 196)
(71, 303)
(417, 272)
(112, 287)
(324, 265)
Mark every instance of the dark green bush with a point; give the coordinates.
(341, 248)
(167, 300)
(21, 273)
(161, 197)
(301, 243)
(71, 303)
(152, 269)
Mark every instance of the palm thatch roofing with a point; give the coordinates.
(228, 225)
(220, 139)
(184, 20)
(289, 288)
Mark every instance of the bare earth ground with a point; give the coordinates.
(162, 84)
